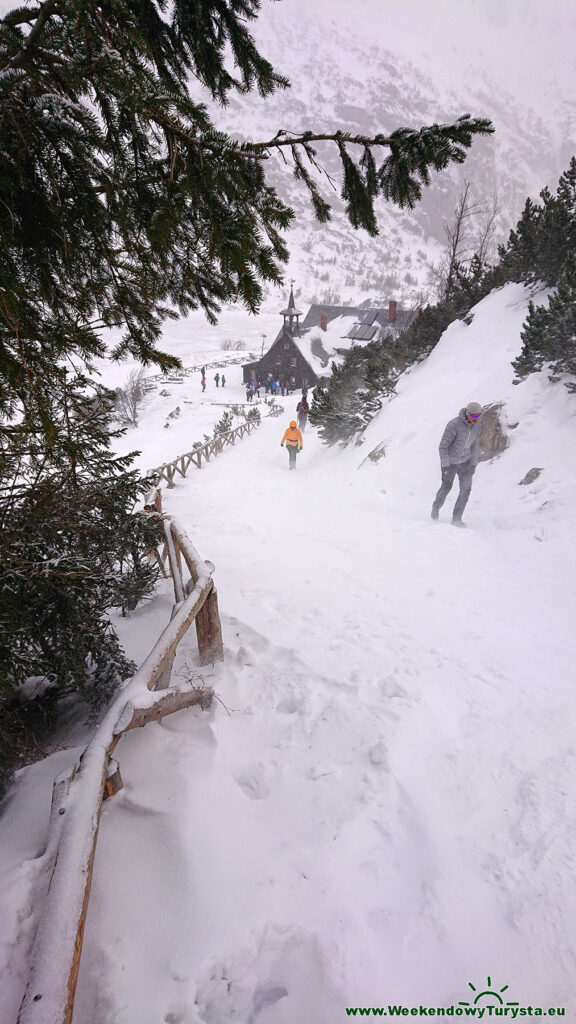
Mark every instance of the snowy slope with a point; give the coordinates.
(382, 810)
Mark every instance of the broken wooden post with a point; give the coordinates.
(209, 631)
(113, 783)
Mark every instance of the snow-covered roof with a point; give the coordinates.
(319, 347)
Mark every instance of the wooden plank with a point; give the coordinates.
(193, 561)
(175, 566)
(176, 700)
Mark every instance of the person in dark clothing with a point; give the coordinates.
(223, 380)
(217, 378)
(302, 410)
(459, 456)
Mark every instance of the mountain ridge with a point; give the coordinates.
(339, 82)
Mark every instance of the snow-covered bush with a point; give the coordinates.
(231, 345)
(129, 400)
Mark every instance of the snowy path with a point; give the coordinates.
(384, 815)
(383, 809)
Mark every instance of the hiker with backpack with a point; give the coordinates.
(302, 410)
(293, 441)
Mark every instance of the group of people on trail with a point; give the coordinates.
(218, 379)
(252, 388)
(274, 386)
(459, 454)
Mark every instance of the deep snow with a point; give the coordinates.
(381, 809)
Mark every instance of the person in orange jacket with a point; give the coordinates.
(293, 440)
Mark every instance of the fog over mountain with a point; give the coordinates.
(372, 67)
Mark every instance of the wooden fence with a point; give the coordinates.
(177, 376)
(182, 463)
(77, 795)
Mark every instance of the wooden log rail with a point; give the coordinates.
(77, 795)
(182, 463)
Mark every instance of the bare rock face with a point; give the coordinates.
(532, 475)
(493, 437)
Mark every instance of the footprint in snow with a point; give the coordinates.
(264, 997)
(253, 785)
(288, 706)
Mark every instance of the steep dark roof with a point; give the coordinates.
(312, 318)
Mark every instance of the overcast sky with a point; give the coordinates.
(526, 45)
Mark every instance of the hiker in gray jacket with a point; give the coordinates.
(459, 455)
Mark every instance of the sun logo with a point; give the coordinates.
(487, 992)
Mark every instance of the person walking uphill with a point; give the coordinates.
(459, 455)
(293, 440)
(302, 410)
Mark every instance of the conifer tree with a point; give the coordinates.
(355, 392)
(71, 547)
(544, 239)
(121, 205)
(519, 257)
(549, 334)
(121, 202)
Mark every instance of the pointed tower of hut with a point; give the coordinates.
(291, 316)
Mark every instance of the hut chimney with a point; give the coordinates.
(323, 321)
(392, 311)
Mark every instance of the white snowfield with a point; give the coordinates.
(381, 811)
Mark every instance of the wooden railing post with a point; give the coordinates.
(209, 631)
